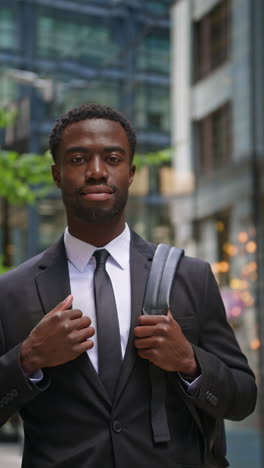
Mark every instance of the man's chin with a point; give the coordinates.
(97, 216)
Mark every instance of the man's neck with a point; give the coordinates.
(96, 234)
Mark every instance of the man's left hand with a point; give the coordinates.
(159, 339)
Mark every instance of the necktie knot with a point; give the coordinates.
(101, 256)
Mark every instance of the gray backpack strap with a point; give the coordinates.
(157, 301)
(162, 272)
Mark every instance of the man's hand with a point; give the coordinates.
(61, 336)
(159, 339)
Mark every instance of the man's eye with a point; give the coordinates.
(77, 159)
(113, 159)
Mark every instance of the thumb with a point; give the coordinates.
(64, 305)
(169, 314)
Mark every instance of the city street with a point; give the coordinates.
(10, 456)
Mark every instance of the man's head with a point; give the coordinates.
(87, 112)
(93, 148)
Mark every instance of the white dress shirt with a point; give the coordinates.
(81, 264)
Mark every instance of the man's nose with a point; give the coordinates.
(96, 168)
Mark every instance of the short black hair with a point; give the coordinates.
(90, 111)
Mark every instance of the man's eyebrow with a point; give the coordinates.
(116, 148)
(75, 149)
(106, 149)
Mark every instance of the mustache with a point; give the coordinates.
(92, 183)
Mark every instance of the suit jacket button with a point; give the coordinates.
(117, 426)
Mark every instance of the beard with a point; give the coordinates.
(95, 214)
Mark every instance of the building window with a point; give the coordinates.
(154, 53)
(101, 92)
(8, 29)
(8, 90)
(214, 139)
(91, 42)
(212, 40)
(152, 106)
(157, 7)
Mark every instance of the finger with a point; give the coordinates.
(148, 353)
(83, 346)
(145, 331)
(64, 305)
(82, 322)
(74, 314)
(152, 319)
(84, 334)
(147, 343)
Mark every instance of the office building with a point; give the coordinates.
(217, 182)
(58, 54)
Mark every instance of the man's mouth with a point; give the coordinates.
(97, 192)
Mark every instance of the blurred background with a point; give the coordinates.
(189, 74)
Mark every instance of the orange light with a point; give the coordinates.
(242, 237)
(255, 344)
(230, 249)
(251, 247)
(223, 267)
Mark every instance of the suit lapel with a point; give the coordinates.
(53, 285)
(52, 281)
(141, 254)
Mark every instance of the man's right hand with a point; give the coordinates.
(61, 336)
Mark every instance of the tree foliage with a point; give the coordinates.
(6, 118)
(155, 158)
(24, 178)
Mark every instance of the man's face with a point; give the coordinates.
(93, 170)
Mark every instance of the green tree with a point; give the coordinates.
(25, 178)
(154, 158)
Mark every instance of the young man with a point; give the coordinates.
(75, 348)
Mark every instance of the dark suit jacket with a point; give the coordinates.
(69, 420)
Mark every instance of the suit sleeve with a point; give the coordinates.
(227, 387)
(16, 390)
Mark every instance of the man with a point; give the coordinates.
(75, 348)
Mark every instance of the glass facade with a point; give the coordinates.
(157, 7)
(152, 108)
(105, 92)
(154, 52)
(85, 50)
(90, 42)
(8, 29)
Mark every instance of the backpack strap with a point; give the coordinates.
(163, 268)
(157, 301)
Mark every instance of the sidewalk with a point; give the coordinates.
(10, 455)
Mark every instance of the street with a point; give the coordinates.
(10, 456)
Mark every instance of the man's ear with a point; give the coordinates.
(56, 174)
(132, 171)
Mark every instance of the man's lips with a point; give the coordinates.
(97, 192)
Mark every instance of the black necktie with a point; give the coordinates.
(108, 335)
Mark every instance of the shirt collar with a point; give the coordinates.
(79, 253)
